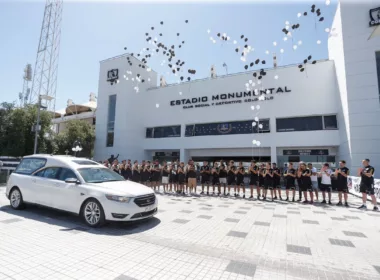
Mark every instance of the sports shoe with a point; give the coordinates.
(330, 202)
(346, 204)
(324, 202)
(375, 208)
(339, 203)
(293, 199)
(251, 197)
(202, 192)
(243, 195)
(275, 197)
(305, 202)
(364, 207)
(287, 199)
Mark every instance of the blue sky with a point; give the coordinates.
(93, 31)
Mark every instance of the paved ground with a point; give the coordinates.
(195, 238)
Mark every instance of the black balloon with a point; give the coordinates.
(218, 34)
(183, 42)
(257, 61)
(260, 77)
(179, 46)
(305, 61)
(162, 22)
(251, 64)
(313, 6)
(188, 78)
(160, 34)
(138, 75)
(237, 50)
(314, 62)
(246, 39)
(321, 19)
(305, 13)
(181, 78)
(300, 66)
(246, 67)
(186, 21)
(302, 69)
(173, 71)
(152, 28)
(254, 75)
(147, 34)
(125, 48)
(309, 57)
(142, 80)
(242, 36)
(263, 62)
(177, 34)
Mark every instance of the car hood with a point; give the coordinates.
(125, 188)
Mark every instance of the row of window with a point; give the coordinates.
(312, 123)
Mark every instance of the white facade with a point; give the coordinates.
(345, 86)
(355, 62)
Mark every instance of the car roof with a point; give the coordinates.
(65, 161)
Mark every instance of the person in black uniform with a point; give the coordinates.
(304, 173)
(215, 179)
(299, 183)
(155, 174)
(231, 182)
(173, 178)
(367, 184)
(205, 174)
(136, 172)
(122, 169)
(276, 181)
(145, 175)
(223, 178)
(268, 181)
(240, 172)
(290, 176)
(261, 179)
(165, 176)
(254, 178)
(181, 177)
(341, 174)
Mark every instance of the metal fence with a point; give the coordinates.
(7, 166)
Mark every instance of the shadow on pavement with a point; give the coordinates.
(73, 223)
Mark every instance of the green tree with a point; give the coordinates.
(76, 130)
(17, 138)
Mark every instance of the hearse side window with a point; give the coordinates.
(65, 174)
(28, 165)
(49, 173)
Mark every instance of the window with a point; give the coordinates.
(99, 175)
(164, 132)
(49, 173)
(227, 128)
(85, 162)
(299, 124)
(330, 122)
(29, 165)
(149, 133)
(378, 70)
(111, 120)
(66, 174)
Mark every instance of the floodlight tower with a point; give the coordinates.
(24, 95)
(46, 68)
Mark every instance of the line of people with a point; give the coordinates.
(221, 178)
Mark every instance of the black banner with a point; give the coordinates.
(324, 152)
(227, 128)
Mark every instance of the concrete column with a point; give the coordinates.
(273, 154)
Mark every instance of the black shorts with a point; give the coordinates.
(261, 183)
(173, 179)
(205, 180)
(240, 182)
(325, 188)
(253, 181)
(230, 181)
(343, 188)
(215, 181)
(291, 187)
(306, 187)
(268, 185)
(368, 189)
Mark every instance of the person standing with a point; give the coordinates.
(145, 174)
(181, 177)
(223, 178)
(268, 181)
(261, 183)
(276, 181)
(341, 174)
(290, 175)
(215, 179)
(136, 172)
(314, 179)
(173, 178)
(155, 173)
(254, 178)
(165, 176)
(240, 172)
(304, 174)
(205, 177)
(191, 178)
(326, 182)
(231, 181)
(367, 184)
(299, 182)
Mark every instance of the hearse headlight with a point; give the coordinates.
(118, 198)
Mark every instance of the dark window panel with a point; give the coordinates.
(110, 137)
(189, 130)
(167, 131)
(149, 133)
(299, 124)
(378, 70)
(330, 122)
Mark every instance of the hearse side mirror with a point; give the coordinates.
(72, 181)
